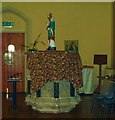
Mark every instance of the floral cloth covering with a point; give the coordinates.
(47, 66)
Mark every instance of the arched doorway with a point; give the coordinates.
(15, 34)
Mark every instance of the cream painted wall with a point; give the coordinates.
(90, 23)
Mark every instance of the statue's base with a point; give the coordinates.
(51, 48)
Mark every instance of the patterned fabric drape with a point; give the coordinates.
(47, 66)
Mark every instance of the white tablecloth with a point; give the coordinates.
(87, 74)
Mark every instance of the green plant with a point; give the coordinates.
(32, 46)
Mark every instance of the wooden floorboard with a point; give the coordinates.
(82, 110)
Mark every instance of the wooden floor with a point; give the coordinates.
(82, 110)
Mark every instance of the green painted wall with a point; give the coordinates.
(90, 23)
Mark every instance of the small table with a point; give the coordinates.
(14, 80)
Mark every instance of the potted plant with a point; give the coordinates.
(32, 46)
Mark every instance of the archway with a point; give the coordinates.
(25, 18)
(20, 14)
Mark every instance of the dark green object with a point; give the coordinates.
(7, 24)
(56, 90)
(38, 93)
(72, 90)
(29, 84)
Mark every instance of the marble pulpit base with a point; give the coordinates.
(48, 104)
(53, 105)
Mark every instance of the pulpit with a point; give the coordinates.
(56, 76)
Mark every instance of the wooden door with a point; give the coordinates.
(16, 69)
